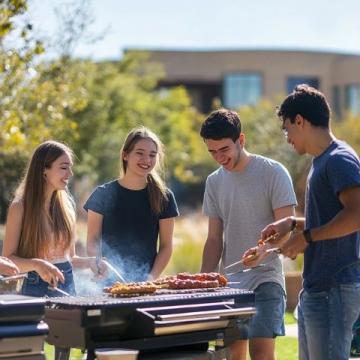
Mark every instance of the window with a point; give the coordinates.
(292, 81)
(352, 99)
(242, 89)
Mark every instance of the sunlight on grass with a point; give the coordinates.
(75, 354)
(289, 318)
(286, 348)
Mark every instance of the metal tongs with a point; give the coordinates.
(13, 277)
(99, 258)
(253, 256)
(54, 288)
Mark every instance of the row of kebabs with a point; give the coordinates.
(175, 282)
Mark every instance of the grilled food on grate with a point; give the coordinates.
(175, 282)
(213, 276)
(192, 281)
(131, 289)
(192, 284)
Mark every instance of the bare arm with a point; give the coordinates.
(285, 212)
(80, 262)
(8, 267)
(47, 271)
(213, 246)
(94, 229)
(345, 222)
(166, 232)
(280, 214)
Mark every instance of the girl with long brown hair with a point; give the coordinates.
(40, 227)
(127, 216)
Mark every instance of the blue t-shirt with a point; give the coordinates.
(130, 229)
(335, 261)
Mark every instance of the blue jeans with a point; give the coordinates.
(34, 286)
(325, 321)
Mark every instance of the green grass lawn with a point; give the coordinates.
(286, 348)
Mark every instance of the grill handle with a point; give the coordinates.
(210, 313)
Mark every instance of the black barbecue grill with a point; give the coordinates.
(149, 322)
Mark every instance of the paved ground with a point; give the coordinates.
(291, 330)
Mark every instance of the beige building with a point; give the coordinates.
(243, 77)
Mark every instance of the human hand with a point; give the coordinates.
(295, 245)
(8, 267)
(48, 272)
(254, 256)
(98, 267)
(250, 257)
(277, 230)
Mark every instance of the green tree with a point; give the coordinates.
(123, 95)
(348, 129)
(35, 97)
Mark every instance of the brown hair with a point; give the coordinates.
(155, 184)
(34, 239)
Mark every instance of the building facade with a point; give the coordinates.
(243, 77)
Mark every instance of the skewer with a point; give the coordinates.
(269, 238)
(274, 250)
(245, 270)
(248, 258)
(253, 256)
(54, 288)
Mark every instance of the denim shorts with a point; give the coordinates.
(268, 322)
(325, 320)
(34, 286)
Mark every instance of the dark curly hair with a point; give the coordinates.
(221, 124)
(308, 102)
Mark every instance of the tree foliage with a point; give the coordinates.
(91, 106)
(348, 129)
(35, 97)
(122, 96)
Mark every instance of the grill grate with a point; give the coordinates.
(182, 296)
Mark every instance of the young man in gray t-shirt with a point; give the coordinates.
(241, 197)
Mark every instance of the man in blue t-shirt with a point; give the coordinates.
(329, 234)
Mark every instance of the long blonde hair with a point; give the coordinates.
(155, 184)
(34, 239)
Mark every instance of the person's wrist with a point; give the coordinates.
(307, 236)
(292, 223)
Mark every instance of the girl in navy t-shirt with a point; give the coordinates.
(127, 216)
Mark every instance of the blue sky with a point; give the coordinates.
(321, 25)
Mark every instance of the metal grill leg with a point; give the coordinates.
(62, 353)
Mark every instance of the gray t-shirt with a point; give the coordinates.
(245, 202)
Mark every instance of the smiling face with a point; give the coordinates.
(57, 176)
(225, 152)
(294, 133)
(142, 159)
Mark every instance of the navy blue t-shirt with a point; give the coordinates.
(130, 229)
(336, 261)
